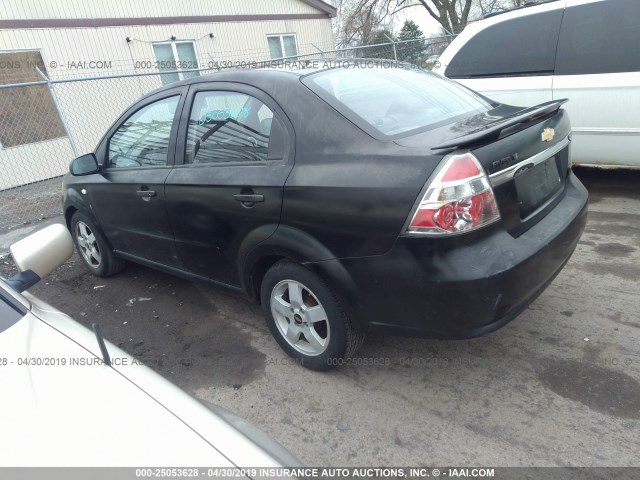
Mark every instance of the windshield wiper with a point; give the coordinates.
(103, 346)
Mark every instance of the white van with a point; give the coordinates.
(585, 50)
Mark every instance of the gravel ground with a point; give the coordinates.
(30, 204)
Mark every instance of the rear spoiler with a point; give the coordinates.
(493, 131)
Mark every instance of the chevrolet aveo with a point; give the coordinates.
(343, 200)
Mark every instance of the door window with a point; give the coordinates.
(601, 37)
(521, 46)
(228, 127)
(143, 139)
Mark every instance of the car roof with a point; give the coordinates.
(289, 71)
(282, 70)
(230, 75)
(522, 7)
(235, 74)
(528, 7)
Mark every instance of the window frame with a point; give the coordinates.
(176, 58)
(281, 37)
(279, 116)
(102, 151)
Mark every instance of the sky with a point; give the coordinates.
(418, 14)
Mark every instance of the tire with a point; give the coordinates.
(306, 318)
(93, 248)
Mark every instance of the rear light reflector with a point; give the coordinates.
(459, 199)
(462, 168)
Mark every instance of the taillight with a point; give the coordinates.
(459, 199)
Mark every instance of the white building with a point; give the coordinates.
(75, 39)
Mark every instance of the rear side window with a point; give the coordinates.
(521, 46)
(393, 101)
(228, 127)
(601, 37)
(143, 139)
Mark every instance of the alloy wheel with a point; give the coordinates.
(300, 317)
(88, 244)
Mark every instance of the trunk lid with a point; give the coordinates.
(525, 153)
(528, 170)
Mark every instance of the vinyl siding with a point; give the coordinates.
(38, 9)
(233, 41)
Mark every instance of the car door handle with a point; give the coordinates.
(146, 193)
(248, 197)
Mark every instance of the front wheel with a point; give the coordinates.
(306, 318)
(93, 248)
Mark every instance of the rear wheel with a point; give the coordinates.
(93, 248)
(306, 318)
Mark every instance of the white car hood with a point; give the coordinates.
(96, 415)
(62, 415)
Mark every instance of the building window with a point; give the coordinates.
(28, 114)
(175, 57)
(282, 46)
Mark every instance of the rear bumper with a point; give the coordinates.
(466, 286)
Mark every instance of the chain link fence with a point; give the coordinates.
(43, 126)
(45, 122)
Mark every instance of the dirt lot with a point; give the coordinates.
(560, 385)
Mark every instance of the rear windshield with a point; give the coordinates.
(395, 101)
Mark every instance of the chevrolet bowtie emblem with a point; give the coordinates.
(548, 134)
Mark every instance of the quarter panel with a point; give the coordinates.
(350, 192)
(604, 115)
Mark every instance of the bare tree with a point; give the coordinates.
(452, 15)
(489, 6)
(359, 21)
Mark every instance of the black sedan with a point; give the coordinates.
(344, 200)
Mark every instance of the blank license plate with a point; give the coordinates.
(537, 185)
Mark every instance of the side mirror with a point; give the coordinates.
(39, 254)
(84, 165)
